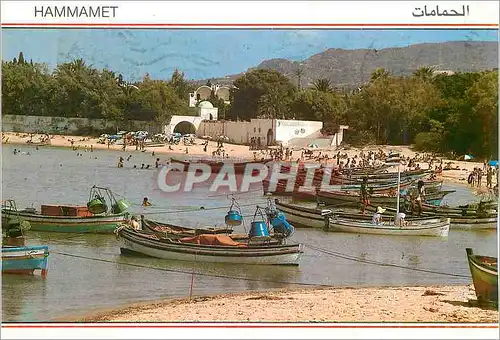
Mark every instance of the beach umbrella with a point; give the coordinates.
(468, 157)
(493, 163)
(313, 146)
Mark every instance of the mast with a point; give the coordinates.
(399, 184)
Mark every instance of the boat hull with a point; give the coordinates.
(467, 222)
(25, 260)
(345, 199)
(306, 218)
(312, 218)
(72, 224)
(131, 241)
(485, 278)
(440, 229)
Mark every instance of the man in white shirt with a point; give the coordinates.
(377, 217)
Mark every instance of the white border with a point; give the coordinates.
(253, 331)
(260, 13)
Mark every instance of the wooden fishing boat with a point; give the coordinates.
(349, 199)
(24, 259)
(281, 186)
(167, 230)
(458, 221)
(75, 219)
(413, 228)
(174, 231)
(394, 175)
(17, 258)
(216, 166)
(315, 217)
(468, 210)
(207, 248)
(484, 272)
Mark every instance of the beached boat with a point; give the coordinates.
(216, 166)
(350, 199)
(281, 186)
(24, 259)
(412, 228)
(172, 231)
(17, 258)
(207, 248)
(484, 272)
(77, 219)
(314, 217)
(470, 221)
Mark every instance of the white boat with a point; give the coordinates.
(412, 228)
(219, 248)
(305, 217)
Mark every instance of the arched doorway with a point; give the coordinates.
(185, 128)
(269, 137)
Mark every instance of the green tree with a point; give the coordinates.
(329, 108)
(251, 87)
(323, 85)
(483, 95)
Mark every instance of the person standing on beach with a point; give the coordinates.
(489, 176)
(420, 196)
(364, 194)
(479, 177)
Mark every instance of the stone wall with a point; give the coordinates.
(70, 126)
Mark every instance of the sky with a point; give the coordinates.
(202, 54)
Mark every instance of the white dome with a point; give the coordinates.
(205, 105)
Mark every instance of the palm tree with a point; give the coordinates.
(424, 73)
(323, 85)
(298, 73)
(379, 74)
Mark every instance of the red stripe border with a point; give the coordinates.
(94, 24)
(247, 326)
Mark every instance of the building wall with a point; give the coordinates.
(205, 113)
(196, 121)
(243, 132)
(62, 125)
(288, 130)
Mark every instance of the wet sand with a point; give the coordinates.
(378, 304)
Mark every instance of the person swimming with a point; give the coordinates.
(145, 202)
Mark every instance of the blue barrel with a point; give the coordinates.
(259, 229)
(281, 225)
(233, 218)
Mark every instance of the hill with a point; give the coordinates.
(354, 67)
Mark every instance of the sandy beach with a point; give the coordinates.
(238, 152)
(378, 304)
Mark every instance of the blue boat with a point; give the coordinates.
(25, 259)
(17, 258)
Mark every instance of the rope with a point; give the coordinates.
(191, 210)
(190, 272)
(352, 258)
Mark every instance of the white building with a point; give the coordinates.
(298, 133)
(203, 93)
(205, 111)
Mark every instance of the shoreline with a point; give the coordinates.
(426, 303)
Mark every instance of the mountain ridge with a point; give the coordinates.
(353, 67)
